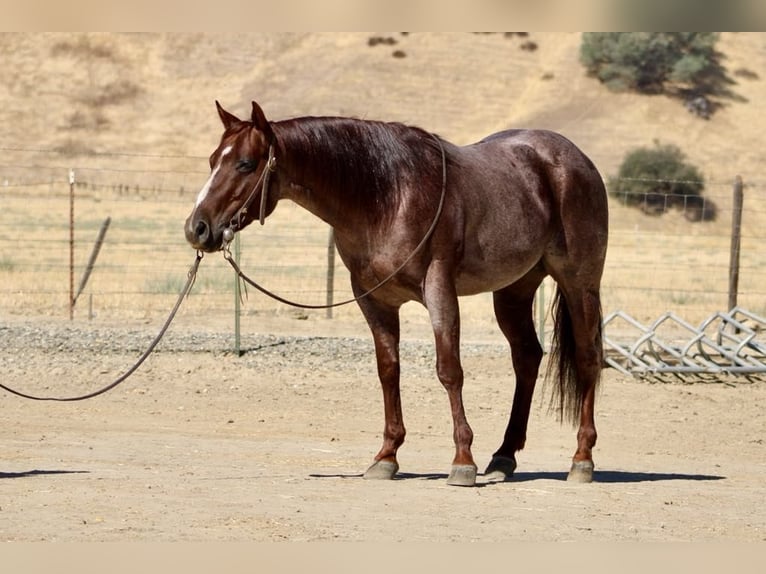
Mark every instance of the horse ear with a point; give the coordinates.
(259, 120)
(227, 118)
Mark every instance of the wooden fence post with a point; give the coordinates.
(92, 260)
(330, 271)
(539, 303)
(71, 244)
(736, 236)
(237, 298)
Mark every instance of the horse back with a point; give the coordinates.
(531, 158)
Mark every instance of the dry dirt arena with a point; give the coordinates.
(202, 445)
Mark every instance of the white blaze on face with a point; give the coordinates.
(206, 188)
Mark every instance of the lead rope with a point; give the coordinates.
(228, 257)
(184, 292)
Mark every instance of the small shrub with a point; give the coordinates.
(73, 147)
(111, 94)
(529, 46)
(658, 178)
(90, 120)
(83, 47)
(7, 264)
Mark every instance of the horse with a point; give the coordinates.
(417, 218)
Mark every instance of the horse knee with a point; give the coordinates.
(388, 371)
(450, 374)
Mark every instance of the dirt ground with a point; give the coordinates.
(202, 445)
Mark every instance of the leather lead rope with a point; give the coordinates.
(184, 292)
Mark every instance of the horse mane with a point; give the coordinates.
(368, 160)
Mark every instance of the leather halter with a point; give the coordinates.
(235, 224)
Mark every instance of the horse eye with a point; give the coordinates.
(246, 165)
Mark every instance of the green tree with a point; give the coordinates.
(653, 62)
(655, 179)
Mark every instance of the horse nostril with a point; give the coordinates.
(201, 231)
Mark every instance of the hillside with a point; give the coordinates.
(153, 94)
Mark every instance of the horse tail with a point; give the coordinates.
(570, 387)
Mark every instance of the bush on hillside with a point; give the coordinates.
(681, 64)
(659, 178)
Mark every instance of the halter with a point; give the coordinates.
(235, 224)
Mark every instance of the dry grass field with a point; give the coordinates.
(203, 445)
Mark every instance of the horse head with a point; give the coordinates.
(238, 182)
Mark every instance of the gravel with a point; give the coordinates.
(90, 343)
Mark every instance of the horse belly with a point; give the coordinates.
(507, 223)
(486, 268)
(504, 237)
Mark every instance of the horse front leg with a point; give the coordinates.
(440, 298)
(383, 321)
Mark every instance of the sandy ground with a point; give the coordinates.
(202, 445)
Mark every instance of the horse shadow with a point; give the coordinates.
(599, 476)
(618, 476)
(36, 472)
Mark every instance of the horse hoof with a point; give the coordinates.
(500, 469)
(382, 470)
(581, 471)
(462, 475)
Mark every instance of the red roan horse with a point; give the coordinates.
(517, 206)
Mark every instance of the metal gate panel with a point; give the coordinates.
(726, 343)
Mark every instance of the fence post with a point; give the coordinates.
(540, 304)
(330, 271)
(237, 298)
(71, 244)
(736, 235)
(92, 260)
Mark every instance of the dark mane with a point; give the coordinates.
(365, 159)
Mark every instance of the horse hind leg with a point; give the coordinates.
(576, 361)
(513, 310)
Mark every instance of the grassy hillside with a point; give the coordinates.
(154, 93)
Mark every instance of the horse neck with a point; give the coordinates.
(344, 171)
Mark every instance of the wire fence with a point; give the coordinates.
(663, 256)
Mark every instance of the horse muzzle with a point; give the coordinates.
(202, 235)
